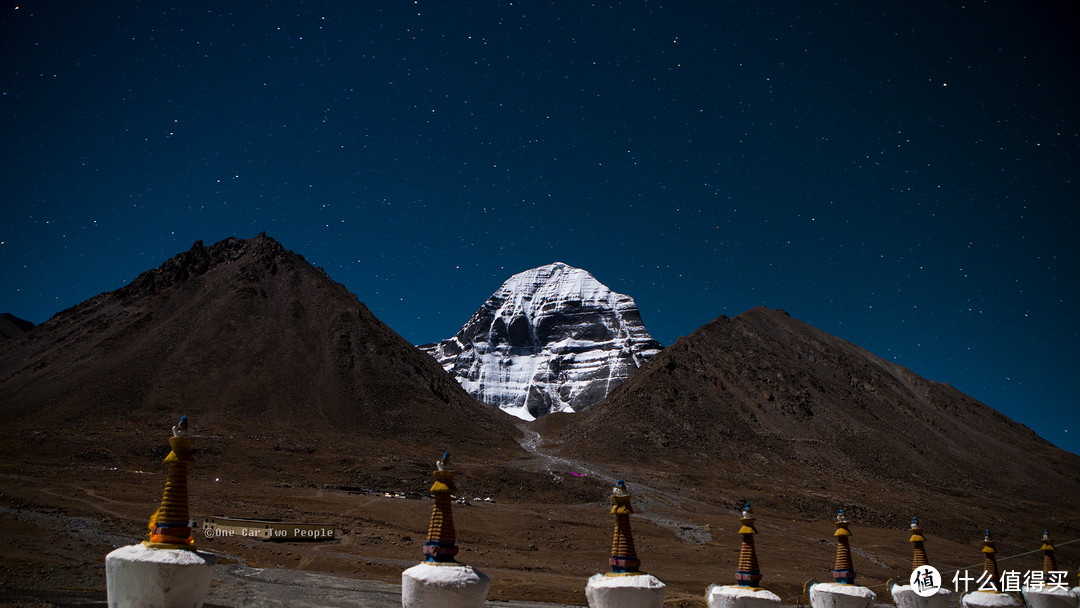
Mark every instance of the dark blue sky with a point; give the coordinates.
(902, 175)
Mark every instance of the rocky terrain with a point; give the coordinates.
(551, 339)
(242, 336)
(11, 326)
(305, 407)
(800, 420)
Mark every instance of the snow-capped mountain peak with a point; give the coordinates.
(552, 338)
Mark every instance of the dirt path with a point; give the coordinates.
(648, 500)
(93, 501)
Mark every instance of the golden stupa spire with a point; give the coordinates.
(749, 573)
(990, 569)
(623, 555)
(917, 539)
(170, 525)
(1049, 563)
(440, 545)
(843, 571)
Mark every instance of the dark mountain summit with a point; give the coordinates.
(244, 335)
(766, 401)
(11, 326)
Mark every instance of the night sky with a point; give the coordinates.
(900, 174)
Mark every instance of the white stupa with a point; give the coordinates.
(625, 586)
(746, 592)
(990, 597)
(165, 571)
(920, 592)
(1049, 595)
(843, 593)
(440, 581)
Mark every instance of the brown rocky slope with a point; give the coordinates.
(241, 336)
(804, 421)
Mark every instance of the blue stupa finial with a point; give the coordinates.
(443, 462)
(180, 430)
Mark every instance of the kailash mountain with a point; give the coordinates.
(551, 339)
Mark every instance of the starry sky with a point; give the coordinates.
(902, 175)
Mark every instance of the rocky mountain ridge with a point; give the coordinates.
(240, 334)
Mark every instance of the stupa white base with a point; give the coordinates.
(734, 596)
(140, 577)
(625, 591)
(427, 585)
(989, 599)
(905, 597)
(1050, 598)
(834, 595)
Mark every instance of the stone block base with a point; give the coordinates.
(905, 597)
(989, 599)
(625, 591)
(140, 577)
(734, 596)
(428, 585)
(833, 595)
(1050, 598)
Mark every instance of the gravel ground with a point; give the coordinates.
(236, 586)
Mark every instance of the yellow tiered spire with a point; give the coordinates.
(440, 545)
(917, 539)
(170, 525)
(1049, 563)
(749, 573)
(624, 558)
(990, 569)
(843, 571)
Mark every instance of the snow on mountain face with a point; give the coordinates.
(551, 339)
